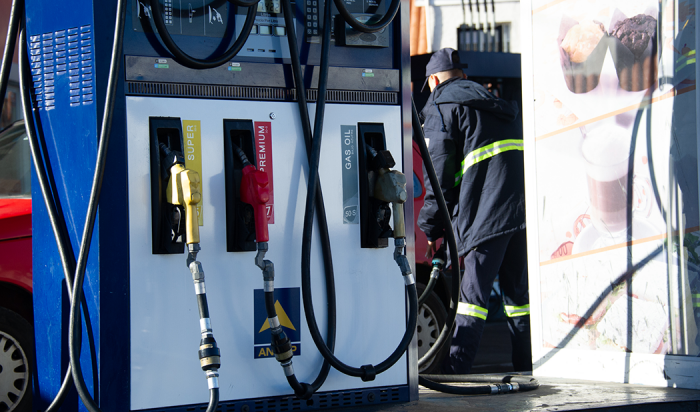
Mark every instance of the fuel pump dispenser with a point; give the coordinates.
(211, 142)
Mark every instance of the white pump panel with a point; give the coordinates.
(165, 332)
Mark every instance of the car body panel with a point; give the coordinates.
(15, 208)
(16, 218)
(16, 262)
(421, 241)
(16, 242)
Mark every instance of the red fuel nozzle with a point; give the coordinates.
(255, 191)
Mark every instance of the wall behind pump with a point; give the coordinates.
(445, 16)
(5, 8)
(11, 110)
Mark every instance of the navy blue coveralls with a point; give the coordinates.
(475, 142)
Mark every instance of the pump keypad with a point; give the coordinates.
(312, 18)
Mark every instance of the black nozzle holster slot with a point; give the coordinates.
(168, 221)
(375, 214)
(239, 150)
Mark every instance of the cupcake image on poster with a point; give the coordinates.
(633, 49)
(582, 49)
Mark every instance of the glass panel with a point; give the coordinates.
(10, 109)
(617, 174)
(15, 163)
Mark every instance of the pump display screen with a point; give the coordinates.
(269, 6)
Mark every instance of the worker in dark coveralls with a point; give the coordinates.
(475, 142)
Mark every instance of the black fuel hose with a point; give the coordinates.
(241, 155)
(419, 138)
(366, 372)
(209, 353)
(386, 19)
(194, 63)
(495, 384)
(74, 319)
(213, 400)
(301, 390)
(52, 202)
(426, 292)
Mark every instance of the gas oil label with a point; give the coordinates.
(193, 156)
(288, 308)
(263, 145)
(348, 136)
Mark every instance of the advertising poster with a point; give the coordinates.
(616, 178)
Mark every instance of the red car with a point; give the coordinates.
(16, 333)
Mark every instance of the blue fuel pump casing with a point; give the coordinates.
(143, 316)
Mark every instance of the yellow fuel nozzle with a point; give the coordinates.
(185, 194)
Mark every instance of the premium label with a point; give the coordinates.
(193, 156)
(351, 198)
(263, 145)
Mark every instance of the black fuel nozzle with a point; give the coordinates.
(281, 346)
(209, 354)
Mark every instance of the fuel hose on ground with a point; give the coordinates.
(494, 384)
(194, 63)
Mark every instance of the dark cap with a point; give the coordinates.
(442, 60)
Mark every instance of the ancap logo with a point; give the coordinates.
(288, 308)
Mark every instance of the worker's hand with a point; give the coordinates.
(432, 248)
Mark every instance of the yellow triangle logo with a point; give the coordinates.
(282, 316)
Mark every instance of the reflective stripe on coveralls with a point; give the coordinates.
(468, 309)
(487, 152)
(689, 58)
(513, 311)
(696, 300)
